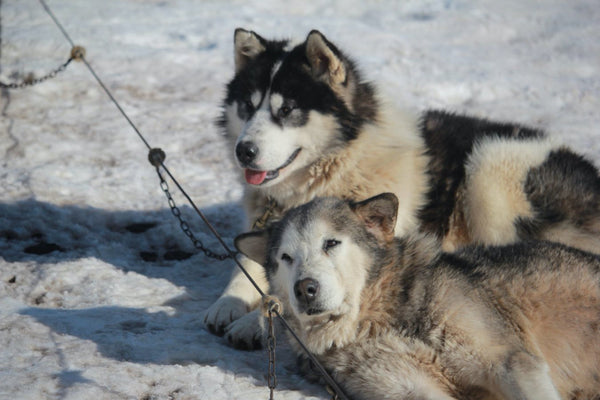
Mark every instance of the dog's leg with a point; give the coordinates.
(247, 332)
(237, 300)
(413, 384)
(526, 377)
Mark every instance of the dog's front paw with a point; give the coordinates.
(223, 312)
(247, 333)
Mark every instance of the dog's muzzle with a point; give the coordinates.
(246, 152)
(306, 291)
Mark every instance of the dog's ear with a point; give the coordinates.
(324, 59)
(253, 245)
(247, 45)
(379, 215)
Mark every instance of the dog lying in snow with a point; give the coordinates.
(304, 124)
(395, 318)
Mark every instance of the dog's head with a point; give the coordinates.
(320, 256)
(288, 105)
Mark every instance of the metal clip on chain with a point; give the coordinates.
(77, 54)
(261, 221)
(156, 157)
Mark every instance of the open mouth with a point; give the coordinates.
(255, 177)
(314, 311)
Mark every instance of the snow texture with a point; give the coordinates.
(101, 294)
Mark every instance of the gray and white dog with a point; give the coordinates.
(395, 318)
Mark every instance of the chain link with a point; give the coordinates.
(184, 225)
(271, 345)
(77, 54)
(30, 80)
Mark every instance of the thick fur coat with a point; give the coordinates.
(303, 123)
(395, 318)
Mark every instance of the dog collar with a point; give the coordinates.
(261, 221)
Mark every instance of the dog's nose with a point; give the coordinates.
(306, 289)
(246, 152)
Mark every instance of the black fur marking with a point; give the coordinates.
(415, 291)
(295, 83)
(565, 187)
(481, 262)
(449, 140)
(506, 258)
(255, 76)
(289, 114)
(298, 218)
(271, 263)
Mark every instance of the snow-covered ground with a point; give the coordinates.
(112, 307)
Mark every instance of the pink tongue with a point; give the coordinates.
(255, 177)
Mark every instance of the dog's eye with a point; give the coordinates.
(284, 111)
(245, 109)
(330, 244)
(287, 258)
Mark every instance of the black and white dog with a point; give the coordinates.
(303, 124)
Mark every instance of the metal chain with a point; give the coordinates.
(77, 53)
(156, 158)
(30, 80)
(271, 345)
(184, 225)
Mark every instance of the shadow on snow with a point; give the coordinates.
(149, 243)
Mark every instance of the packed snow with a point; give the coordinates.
(101, 294)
